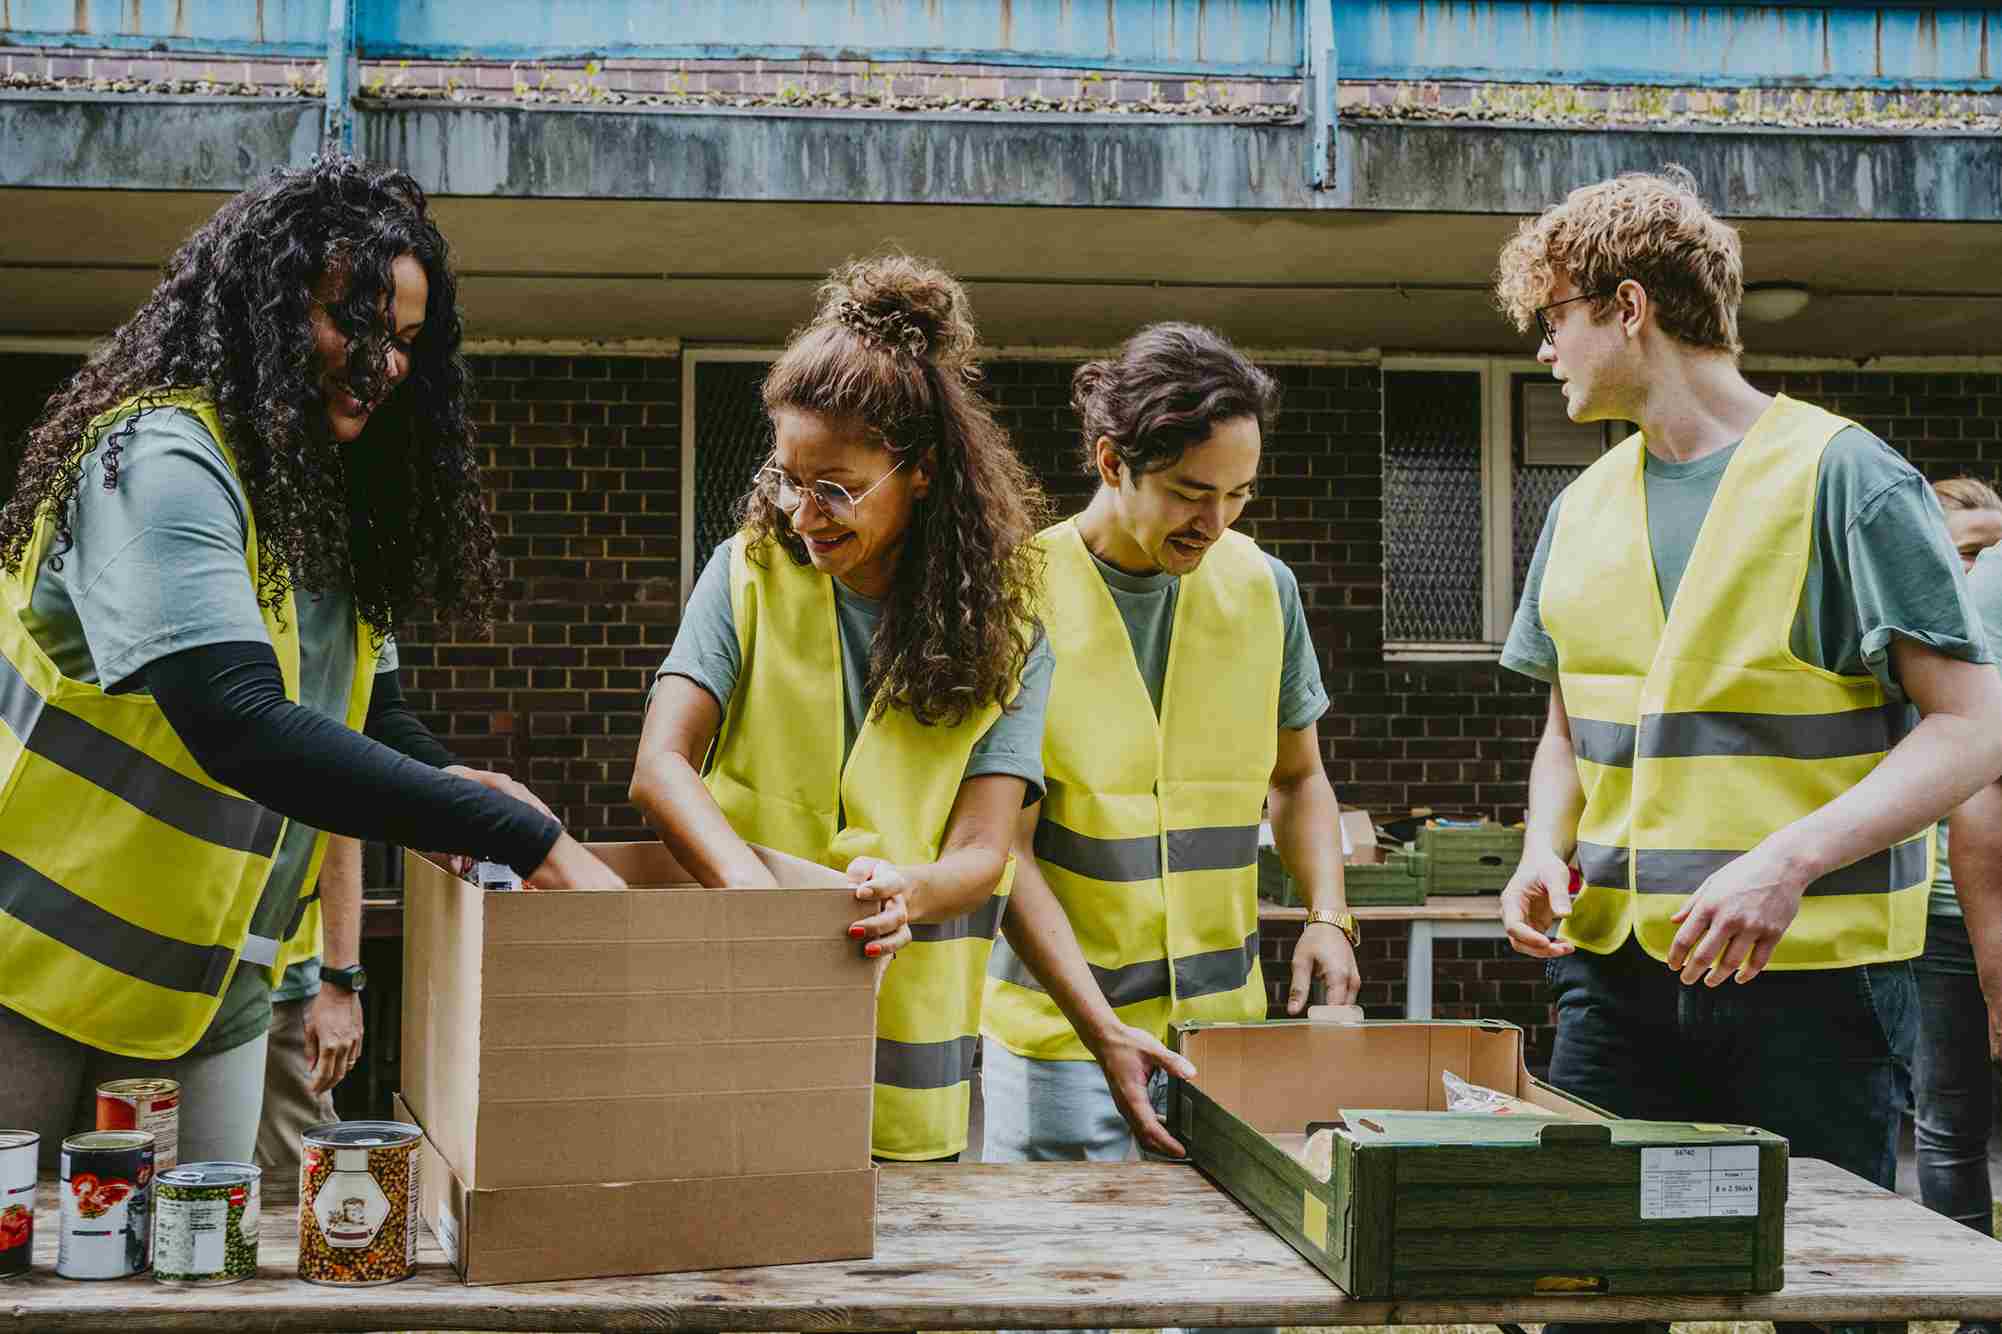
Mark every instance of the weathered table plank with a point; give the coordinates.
(1048, 1245)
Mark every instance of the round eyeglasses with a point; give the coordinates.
(833, 499)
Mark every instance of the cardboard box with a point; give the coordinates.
(1338, 1137)
(1359, 839)
(657, 1079)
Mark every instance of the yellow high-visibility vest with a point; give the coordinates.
(1699, 733)
(1149, 827)
(777, 773)
(128, 876)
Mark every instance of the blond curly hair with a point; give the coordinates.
(1651, 227)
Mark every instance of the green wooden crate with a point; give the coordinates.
(1469, 861)
(1420, 1202)
(1399, 878)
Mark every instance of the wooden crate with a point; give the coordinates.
(1399, 878)
(1469, 861)
(1415, 1201)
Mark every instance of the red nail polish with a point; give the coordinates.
(855, 931)
(872, 949)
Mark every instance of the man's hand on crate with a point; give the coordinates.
(1129, 1057)
(1536, 899)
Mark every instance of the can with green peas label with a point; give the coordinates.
(205, 1223)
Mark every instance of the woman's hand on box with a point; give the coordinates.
(570, 865)
(1129, 1056)
(888, 888)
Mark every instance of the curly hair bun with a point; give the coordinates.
(903, 303)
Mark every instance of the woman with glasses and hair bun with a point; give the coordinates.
(859, 678)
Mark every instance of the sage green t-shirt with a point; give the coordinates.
(1880, 565)
(157, 566)
(1146, 603)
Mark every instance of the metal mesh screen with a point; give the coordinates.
(1535, 488)
(1432, 507)
(732, 439)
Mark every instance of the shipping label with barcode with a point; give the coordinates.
(1700, 1182)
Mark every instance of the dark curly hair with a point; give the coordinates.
(1167, 388)
(890, 347)
(396, 517)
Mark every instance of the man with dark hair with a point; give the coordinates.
(1734, 609)
(1185, 699)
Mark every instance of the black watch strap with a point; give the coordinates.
(347, 979)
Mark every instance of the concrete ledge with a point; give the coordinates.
(69, 141)
(1749, 173)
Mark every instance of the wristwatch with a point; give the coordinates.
(1342, 922)
(347, 979)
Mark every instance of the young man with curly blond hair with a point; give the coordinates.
(1737, 610)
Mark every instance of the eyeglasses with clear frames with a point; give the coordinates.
(833, 499)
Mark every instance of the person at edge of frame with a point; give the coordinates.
(1954, 1089)
(1187, 697)
(859, 678)
(1733, 608)
(218, 523)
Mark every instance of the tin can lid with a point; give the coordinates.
(140, 1087)
(363, 1134)
(18, 1139)
(110, 1139)
(210, 1174)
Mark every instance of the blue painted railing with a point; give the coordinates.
(1797, 43)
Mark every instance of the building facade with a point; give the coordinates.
(642, 193)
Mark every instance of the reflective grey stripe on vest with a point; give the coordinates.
(1797, 736)
(1603, 866)
(261, 950)
(36, 901)
(1130, 985)
(1125, 860)
(133, 776)
(1216, 972)
(983, 922)
(925, 1065)
(1611, 744)
(1661, 871)
(298, 917)
(1221, 848)
(1119, 860)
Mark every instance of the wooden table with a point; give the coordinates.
(1050, 1245)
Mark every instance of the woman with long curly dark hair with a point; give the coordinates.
(859, 679)
(216, 525)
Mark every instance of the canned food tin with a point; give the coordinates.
(144, 1104)
(205, 1223)
(18, 1152)
(107, 1210)
(358, 1202)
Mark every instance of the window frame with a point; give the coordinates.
(1497, 506)
(691, 358)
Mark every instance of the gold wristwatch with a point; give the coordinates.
(1342, 922)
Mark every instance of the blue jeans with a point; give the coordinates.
(1955, 1095)
(1818, 1055)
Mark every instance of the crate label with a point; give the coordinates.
(1700, 1182)
(1314, 1218)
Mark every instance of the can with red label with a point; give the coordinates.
(358, 1202)
(144, 1104)
(107, 1205)
(18, 1152)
